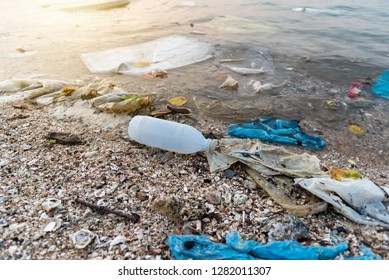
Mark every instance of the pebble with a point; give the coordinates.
(4, 162)
(26, 147)
(214, 197)
(91, 154)
(239, 198)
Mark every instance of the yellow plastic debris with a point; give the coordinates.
(178, 100)
(356, 129)
(338, 174)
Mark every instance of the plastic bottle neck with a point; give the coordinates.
(211, 145)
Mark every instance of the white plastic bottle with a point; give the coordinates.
(168, 135)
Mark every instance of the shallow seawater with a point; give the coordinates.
(317, 48)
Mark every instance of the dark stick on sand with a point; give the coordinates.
(103, 210)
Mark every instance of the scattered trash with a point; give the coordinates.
(163, 54)
(355, 89)
(155, 73)
(359, 200)
(273, 189)
(94, 5)
(103, 95)
(168, 135)
(381, 87)
(239, 25)
(82, 238)
(259, 87)
(276, 131)
(63, 138)
(230, 84)
(356, 129)
(178, 100)
(130, 105)
(250, 62)
(263, 158)
(105, 210)
(195, 247)
(339, 174)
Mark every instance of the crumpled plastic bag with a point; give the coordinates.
(381, 87)
(361, 201)
(263, 158)
(276, 131)
(163, 53)
(195, 247)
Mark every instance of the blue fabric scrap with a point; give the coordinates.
(196, 247)
(276, 131)
(381, 87)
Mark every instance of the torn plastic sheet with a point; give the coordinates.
(163, 54)
(276, 131)
(195, 247)
(273, 189)
(359, 200)
(263, 158)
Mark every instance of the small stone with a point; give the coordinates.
(209, 208)
(12, 250)
(142, 196)
(229, 173)
(90, 154)
(3, 162)
(214, 197)
(51, 204)
(250, 185)
(32, 162)
(26, 147)
(269, 202)
(239, 198)
(100, 193)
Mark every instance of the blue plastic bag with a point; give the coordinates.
(381, 87)
(195, 247)
(276, 131)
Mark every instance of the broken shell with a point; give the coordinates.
(52, 225)
(120, 239)
(230, 84)
(51, 204)
(100, 193)
(82, 238)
